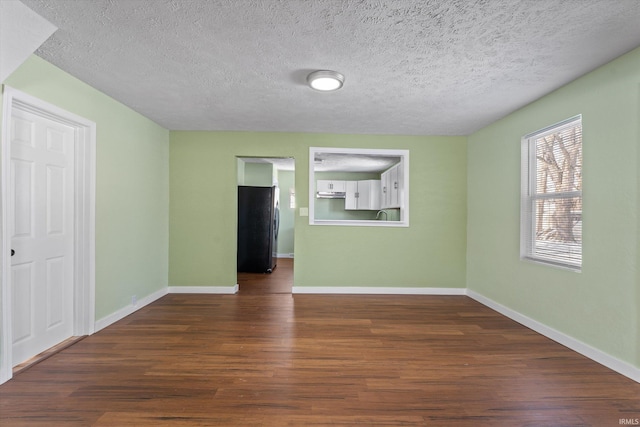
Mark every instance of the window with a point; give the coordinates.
(551, 206)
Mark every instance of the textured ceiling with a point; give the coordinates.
(350, 162)
(432, 67)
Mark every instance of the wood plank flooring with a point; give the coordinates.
(317, 360)
(46, 354)
(278, 282)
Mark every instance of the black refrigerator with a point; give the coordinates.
(258, 222)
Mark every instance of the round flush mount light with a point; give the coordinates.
(325, 80)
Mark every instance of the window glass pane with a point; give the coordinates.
(559, 229)
(559, 219)
(559, 161)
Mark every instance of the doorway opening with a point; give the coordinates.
(266, 218)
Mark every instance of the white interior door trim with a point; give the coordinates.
(85, 202)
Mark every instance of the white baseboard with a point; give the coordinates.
(592, 353)
(374, 290)
(203, 289)
(130, 309)
(289, 255)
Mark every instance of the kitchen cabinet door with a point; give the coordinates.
(363, 195)
(330, 186)
(392, 188)
(351, 198)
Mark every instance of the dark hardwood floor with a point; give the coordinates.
(278, 282)
(314, 360)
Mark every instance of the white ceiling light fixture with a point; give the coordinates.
(325, 80)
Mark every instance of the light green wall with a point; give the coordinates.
(132, 175)
(429, 253)
(599, 306)
(286, 180)
(258, 174)
(240, 167)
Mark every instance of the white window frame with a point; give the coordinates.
(529, 198)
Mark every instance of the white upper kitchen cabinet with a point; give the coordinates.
(392, 188)
(363, 195)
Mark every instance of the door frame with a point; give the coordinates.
(84, 235)
(236, 183)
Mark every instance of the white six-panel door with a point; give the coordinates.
(42, 233)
